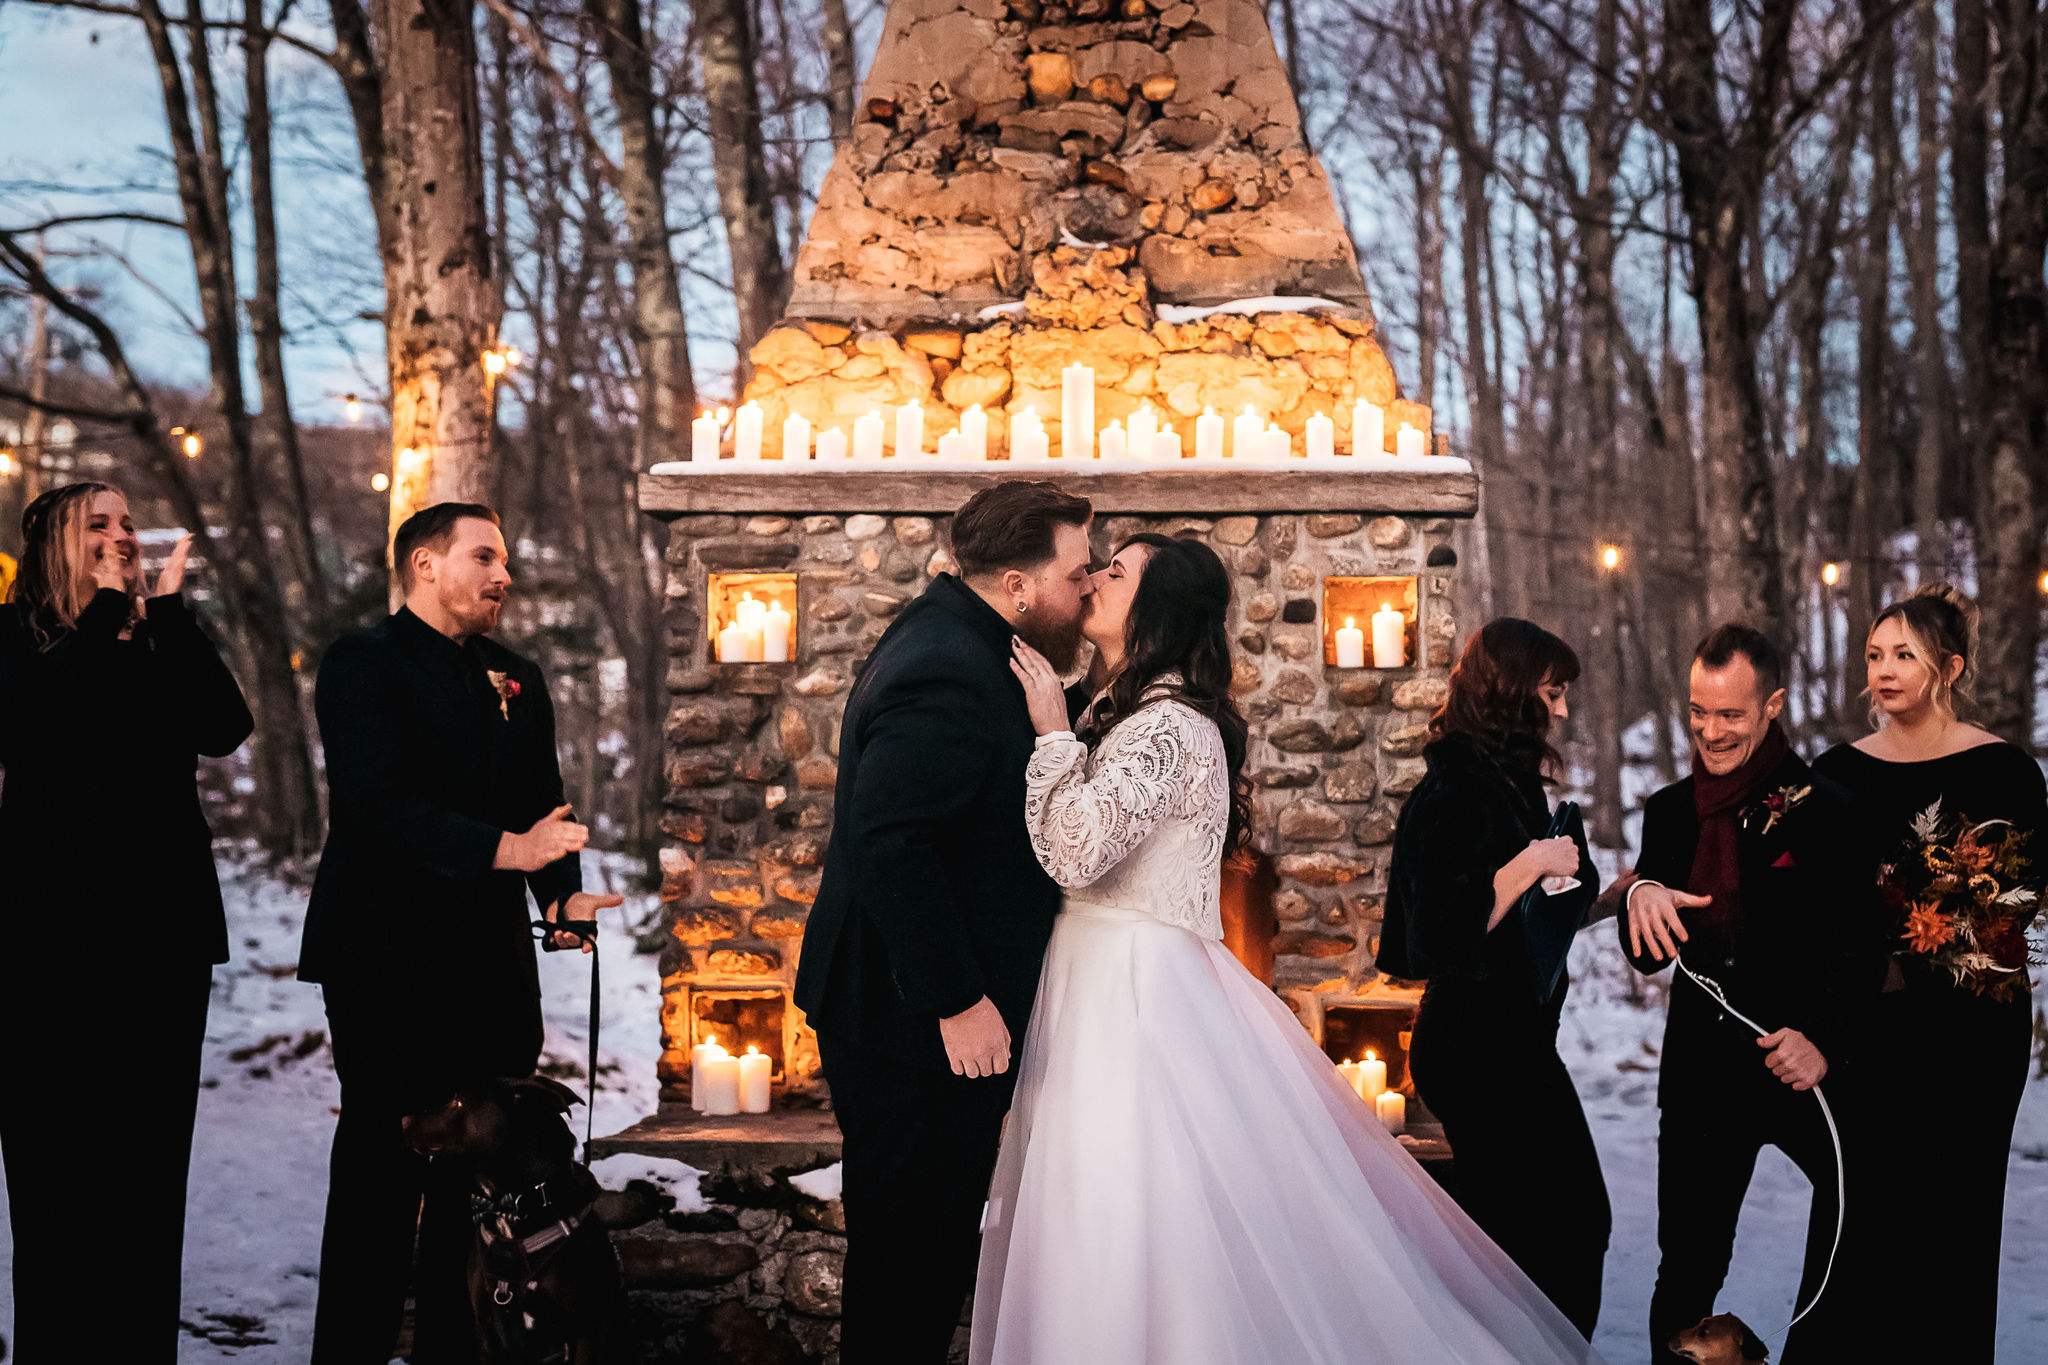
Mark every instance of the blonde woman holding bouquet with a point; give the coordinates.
(1961, 816)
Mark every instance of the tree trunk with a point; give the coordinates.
(746, 200)
(842, 80)
(1970, 211)
(668, 388)
(438, 291)
(1428, 170)
(1933, 457)
(1600, 401)
(1873, 510)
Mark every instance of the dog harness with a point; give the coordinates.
(523, 1230)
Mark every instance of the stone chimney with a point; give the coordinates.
(1029, 185)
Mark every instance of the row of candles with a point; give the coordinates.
(759, 633)
(1389, 640)
(721, 1083)
(1369, 1079)
(1144, 438)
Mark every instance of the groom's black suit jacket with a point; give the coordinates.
(931, 896)
(1808, 949)
(424, 773)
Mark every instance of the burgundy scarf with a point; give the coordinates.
(1716, 868)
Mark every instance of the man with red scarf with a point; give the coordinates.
(1762, 875)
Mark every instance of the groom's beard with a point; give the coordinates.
(1058, 641)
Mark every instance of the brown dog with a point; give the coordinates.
(1723, 1339)
(544, 1281)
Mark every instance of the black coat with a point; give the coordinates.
(425, 771)
(1808, 949)
(100, 739)
(1466, 820)
(931, 896)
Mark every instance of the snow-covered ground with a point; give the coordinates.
(259, 1171)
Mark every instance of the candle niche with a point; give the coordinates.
(1351, 1031)
(738, 1020)
(1369, 622)
(751, 617)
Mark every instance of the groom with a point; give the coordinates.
(922, 954)
(1762, 875)
(445, 808)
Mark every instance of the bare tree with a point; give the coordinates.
(727, 50)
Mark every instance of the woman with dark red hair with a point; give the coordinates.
(1470, 842)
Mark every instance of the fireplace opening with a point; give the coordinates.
(751, 617)
(1350, 1031)
(741, 1019)
(1369, 622)
(1249, 921)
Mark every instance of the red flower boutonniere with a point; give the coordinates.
(1776, 806)
(506, 686)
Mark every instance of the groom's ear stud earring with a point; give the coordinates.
(1022, 608)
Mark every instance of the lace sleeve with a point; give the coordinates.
(1084, 823)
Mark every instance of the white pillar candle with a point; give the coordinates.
(746, 432)
(1320, 436)
(832, 444)
(1208, 435)
(796, 437)
(867, 437)
(1077, 412)
(755, 1072)
(1036, 446)
(733, 643)
(974, 426)
(1022, 421)
(1368, 428)
(704, 438)
(1354, 1076)
(1372, 1078)
(1113, 443)
(951, 446)
(1166, 446)
(700, 1054)
(747, 612)
(1350, 644)
(910, 429)
(1408, 442)
(1389, 638)
(1245, 432)
(1279, 445)
(775, 633)
(720, 1077)
(1142, 427)
(1392, 1106)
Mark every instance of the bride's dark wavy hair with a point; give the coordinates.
(1177, 624)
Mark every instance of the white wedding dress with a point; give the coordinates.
(1185, 1179)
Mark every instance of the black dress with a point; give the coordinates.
(1484, 1052)
(1929, 1207)
(106, 852)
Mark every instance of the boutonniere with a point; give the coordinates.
(1776, 806)
(506, 686)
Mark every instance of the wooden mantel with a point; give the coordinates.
(1430, 485)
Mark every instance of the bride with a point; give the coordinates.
(1185, 1179)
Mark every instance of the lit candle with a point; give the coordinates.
(1279, 445)
(832, 444)
(1368, 428)
(1027, 435)
(1372, 1078)
(974, 426)
(1353, 1075)
(1113, 442)
(1245, 433)
(1143, 426)
(754, 1073)
(704, 438)
(775, 634)
(1037, 445)
(748, 612)
(951, 446)
(796, 437)
(1389, 638)
(1077, 412)
(1166, 446)
(1350, 644)
(910, 429)
(1321, 436)
(699, 1055)
(1208, 435)
(746, 432)
(735, 642)
(720, 1077)
(1392, 1106)
(867, 437)
(1408, 442)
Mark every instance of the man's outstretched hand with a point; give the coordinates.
(977, 1040)
(582, 905)
(553, 836)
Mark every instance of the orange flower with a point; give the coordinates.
(1927, 929)
(1973, 855)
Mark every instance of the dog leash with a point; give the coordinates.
(585, 930)
(1720, 997)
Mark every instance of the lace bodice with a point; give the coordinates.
(1138, 824)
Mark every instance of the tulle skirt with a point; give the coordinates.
(1186, 1180)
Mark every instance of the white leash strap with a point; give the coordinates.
(1713, 988)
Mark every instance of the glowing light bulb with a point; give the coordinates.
(192, 445)
(353, 407)
(494, 362)
(1610, 557)
(1831, 573)
(380, 481)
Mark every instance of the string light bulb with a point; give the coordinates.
(494, 363)
(1831, 573)
(353, 407)
(2043, 585)
(1610, 557)
(190, 443)
(380, 481)
(6, 463)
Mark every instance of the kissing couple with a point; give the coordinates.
(1183, 1178)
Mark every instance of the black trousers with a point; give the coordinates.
(919, 1150)
(1719, 1107)
(90, 1193)
(1527, 1171)
(397, 1057)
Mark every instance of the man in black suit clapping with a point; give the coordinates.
(921, 958)
(445, 807)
